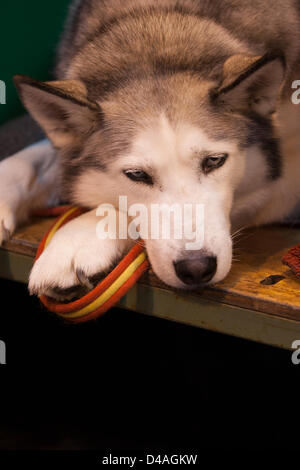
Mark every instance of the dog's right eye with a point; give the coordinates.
(213, 162)
(139, 176)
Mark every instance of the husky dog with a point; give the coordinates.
(163, 101)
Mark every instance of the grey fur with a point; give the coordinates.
(135, 58)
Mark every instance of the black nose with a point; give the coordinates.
(197, 270)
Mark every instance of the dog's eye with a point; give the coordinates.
(139, 175)
(213, 162)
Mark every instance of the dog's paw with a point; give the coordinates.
(75, 260)
(7, 222)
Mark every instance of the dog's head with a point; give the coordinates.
(172, 140)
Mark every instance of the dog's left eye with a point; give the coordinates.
(213, 162)
(139, 176)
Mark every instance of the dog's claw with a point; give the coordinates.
(6, 234)
(83, 279)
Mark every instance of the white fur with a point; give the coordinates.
(173, 156)
(238, 192)
(75, 247)
(176, 155)
(28, 181)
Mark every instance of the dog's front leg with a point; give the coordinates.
(28, 180)
(75, 259)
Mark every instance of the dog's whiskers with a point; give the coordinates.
(237, 233)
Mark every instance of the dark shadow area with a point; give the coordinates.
(128, 381)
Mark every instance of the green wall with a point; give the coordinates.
(29, 33)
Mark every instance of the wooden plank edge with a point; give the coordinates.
(190, 310)
(214, 316)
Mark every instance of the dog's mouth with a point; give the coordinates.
(180, 268)
(187, 270)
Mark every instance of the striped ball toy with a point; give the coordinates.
(109, 291)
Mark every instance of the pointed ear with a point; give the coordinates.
(61, 108)
(251, 83)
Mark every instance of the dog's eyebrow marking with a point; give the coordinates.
(207, 153)
(196, 153)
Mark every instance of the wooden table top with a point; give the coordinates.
(258, 255)
(240, 305)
